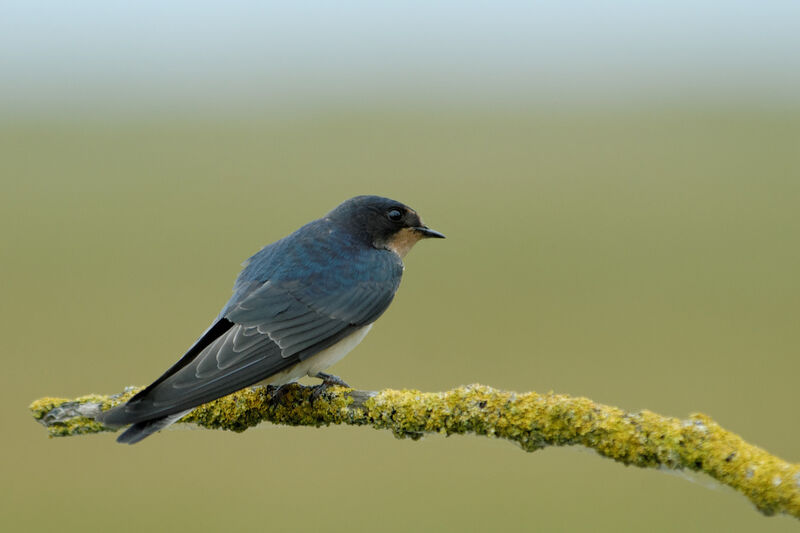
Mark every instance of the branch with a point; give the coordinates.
(531, 420)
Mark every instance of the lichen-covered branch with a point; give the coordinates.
(531, 420)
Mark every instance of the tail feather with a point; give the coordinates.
(142, 430)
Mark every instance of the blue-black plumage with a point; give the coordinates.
(298, 306)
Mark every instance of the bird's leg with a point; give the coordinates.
(328, 381)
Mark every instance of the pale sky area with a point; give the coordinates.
(215, 56)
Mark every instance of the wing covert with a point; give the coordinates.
(299, 315)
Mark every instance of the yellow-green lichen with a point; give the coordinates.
(290, 405)
(643, 439)
(42, 406)
(531, 420)
(67, 417)
(77, 426)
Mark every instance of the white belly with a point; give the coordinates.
(321, 361)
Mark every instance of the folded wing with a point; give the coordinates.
(272, 327)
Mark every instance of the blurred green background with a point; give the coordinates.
(638, 250)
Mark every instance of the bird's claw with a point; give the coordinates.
(277, 393)
(328, 381)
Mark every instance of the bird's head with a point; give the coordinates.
(384, 223)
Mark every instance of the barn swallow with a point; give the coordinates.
(299, 305)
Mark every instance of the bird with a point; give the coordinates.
(299, 305)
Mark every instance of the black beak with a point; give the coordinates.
(427, 232)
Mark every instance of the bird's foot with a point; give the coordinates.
(277, 393)
(328, 381)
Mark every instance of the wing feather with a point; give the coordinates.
(272, 324)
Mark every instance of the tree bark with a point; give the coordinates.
(532, 421)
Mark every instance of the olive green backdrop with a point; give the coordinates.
(646, 259)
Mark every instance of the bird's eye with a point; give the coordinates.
(395, 215)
